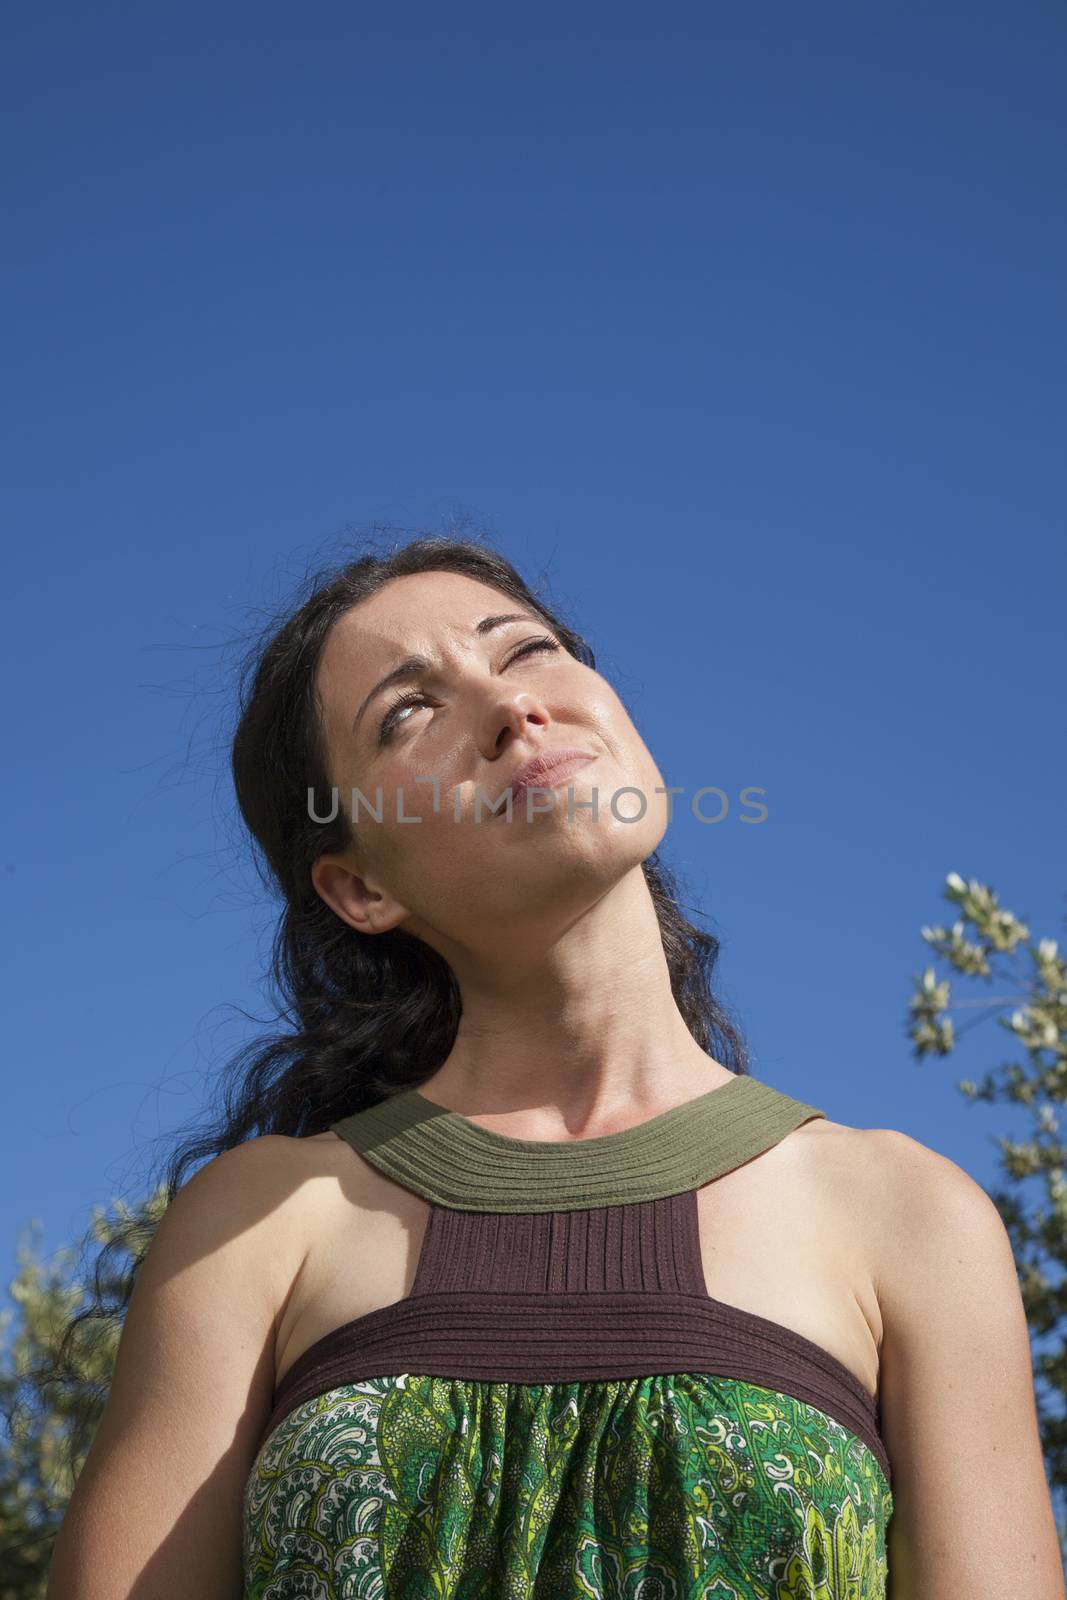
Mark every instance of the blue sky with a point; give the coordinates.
(745, 325)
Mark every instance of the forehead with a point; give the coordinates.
(423, 613)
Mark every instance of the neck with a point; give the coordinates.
(579, 1037)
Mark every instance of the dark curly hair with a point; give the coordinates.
(362, 1016)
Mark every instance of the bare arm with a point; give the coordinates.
(155, 1514)
(972, 1512)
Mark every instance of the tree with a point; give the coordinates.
(53, 1388)
(992, 946)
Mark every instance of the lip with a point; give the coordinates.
(547, 770)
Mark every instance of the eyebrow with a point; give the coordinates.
(413, 666)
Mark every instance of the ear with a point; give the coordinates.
(356, 900)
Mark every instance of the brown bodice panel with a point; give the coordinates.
(609, 1292)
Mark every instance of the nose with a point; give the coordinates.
(512, 717)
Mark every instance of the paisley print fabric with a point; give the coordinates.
(674, 1487)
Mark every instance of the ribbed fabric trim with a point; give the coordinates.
(648, 1246)
(451, 1161)
(563, 1338)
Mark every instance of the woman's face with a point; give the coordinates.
(494, 695)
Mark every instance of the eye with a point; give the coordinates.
(411, 697)
(544, 643)
(415, 697)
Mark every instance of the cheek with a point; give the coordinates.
(427, 860)
(440, 886)
(623, 739)
(637, 766)
(388, 788)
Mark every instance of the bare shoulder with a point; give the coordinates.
(255, 1198)
(897, 1188)
(241, 1213)
(258, 1179)
(839, 1153)
(890, 1191)
(910, 1189)
(888, 1162)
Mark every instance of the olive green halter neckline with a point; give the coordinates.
(454, 1162)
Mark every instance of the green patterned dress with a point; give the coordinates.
(557, 1408)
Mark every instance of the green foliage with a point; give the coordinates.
(989, 945)
(57, 1354)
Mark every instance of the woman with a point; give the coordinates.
(507, 1277)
